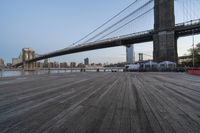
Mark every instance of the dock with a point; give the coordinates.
(104, 102)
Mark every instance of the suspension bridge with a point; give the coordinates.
(164, 32)
(151, 102)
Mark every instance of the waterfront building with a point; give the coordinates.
(2, 65)
(86, 61)
(46, 62)
(50, 65)
(39, 64)
(55, 65)
(141, 57)
(81, 65)
(130, 55)
(63, 65)
(99, 65)
(73, 64)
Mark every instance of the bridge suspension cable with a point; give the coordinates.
(126, 23)
(189, 9)
(122, 20)
(119, 13)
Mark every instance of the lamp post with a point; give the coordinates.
(193, 57)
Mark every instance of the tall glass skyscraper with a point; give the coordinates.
(130, 54)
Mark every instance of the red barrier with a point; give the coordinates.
(195, 71)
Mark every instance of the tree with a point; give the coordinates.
(196, 55)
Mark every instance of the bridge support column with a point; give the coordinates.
(165, 47)
(164, 40)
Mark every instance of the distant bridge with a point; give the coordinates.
(164, 35)
(181, 30)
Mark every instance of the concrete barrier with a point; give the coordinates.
(194, 71)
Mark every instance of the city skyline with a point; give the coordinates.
(47, 26)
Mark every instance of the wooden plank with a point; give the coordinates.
(101, 102)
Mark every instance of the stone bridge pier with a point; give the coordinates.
(164, 39)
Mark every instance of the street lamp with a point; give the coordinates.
(193, 58)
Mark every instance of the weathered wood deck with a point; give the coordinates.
(101, 103)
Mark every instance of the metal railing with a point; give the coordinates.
(191, 22)
(115, 38)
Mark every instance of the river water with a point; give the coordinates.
(24, 73)
(15, 73)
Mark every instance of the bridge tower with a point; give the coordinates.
(164, 41)
(27, 54)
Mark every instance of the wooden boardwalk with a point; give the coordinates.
(101, 103)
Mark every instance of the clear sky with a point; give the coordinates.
(48, 25)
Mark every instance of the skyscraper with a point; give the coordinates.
(130, 55)
(2, 63)
(86, 61)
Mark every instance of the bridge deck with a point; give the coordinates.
(101, 103)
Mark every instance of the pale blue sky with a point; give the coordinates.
(48, 25)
